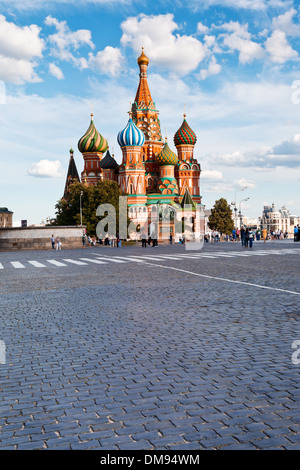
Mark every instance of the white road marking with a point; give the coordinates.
(1, 266)
(17, 265)
(129, 259)
(113, 260)
(97, 261)
(224, 279)
(36, 264)
(74, 261)
(56, 263)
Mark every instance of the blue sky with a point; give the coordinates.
(234, 65)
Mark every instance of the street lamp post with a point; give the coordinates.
(240, 209)
(81, 194)
(234, 204)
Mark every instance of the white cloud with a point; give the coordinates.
(286, 24)
(211, 175)
(235, 4)
(56, 71)
(20, 47)
(20, 42)
(285, 154)
(109, 61)
(45, 169)
(240, 39)
(179, 54)
(202, 29)
(213, 69)
(66, 42)
(278, 47)
(244, 183)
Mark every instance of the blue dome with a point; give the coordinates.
(131, 136)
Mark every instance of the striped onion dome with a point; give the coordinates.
(185, 135)
(131, 136)
(166, 156)
(92, 141)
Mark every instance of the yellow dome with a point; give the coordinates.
(143, 59)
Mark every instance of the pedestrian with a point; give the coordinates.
(53, 242)
(234, 235)
(154, 242)
(251, 238)
(296, 230)
(264, 233)
(144, 240)
(243, 236)
(83, 240)
(246, 237)
(171, 239)
(58, 243)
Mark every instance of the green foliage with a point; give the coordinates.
(221, 217)
(68, 211)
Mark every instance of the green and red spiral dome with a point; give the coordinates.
(166, 156)
(185, 135)
(92, 141)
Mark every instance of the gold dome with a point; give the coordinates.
(143, 59)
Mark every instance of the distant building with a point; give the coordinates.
(273, 219)
(6, 217)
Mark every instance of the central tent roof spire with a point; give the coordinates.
(143, 99)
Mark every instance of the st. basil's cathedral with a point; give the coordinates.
(150, 172)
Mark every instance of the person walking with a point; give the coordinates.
(243, 236)
(246, 237)
(264, 233)
(83, 240)
(53, 242)
(144, 240)
(234, 235)
(251, 238)
(296, 233)
(58, 243)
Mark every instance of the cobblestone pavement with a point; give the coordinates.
(151, 354)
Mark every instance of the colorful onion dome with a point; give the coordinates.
(108, 162)
(185, 135)
(131, 136)
(143, 59)
(166, 156)
(92, 141)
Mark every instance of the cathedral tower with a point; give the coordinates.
(188, 169)
(92, 146)
(145, 116)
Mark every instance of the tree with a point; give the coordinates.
(220, 218)
(68, 210)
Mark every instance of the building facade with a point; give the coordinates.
(281, 220)
(150, 173)
(6, 218)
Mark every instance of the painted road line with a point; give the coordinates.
(206, 276)
(36, 264)
(167, 257)
(113, 260)
(1, 266)
(145, 258)
(56, 263)
(17, 265)
(97, 261)
(129, 259)
(74, 261)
